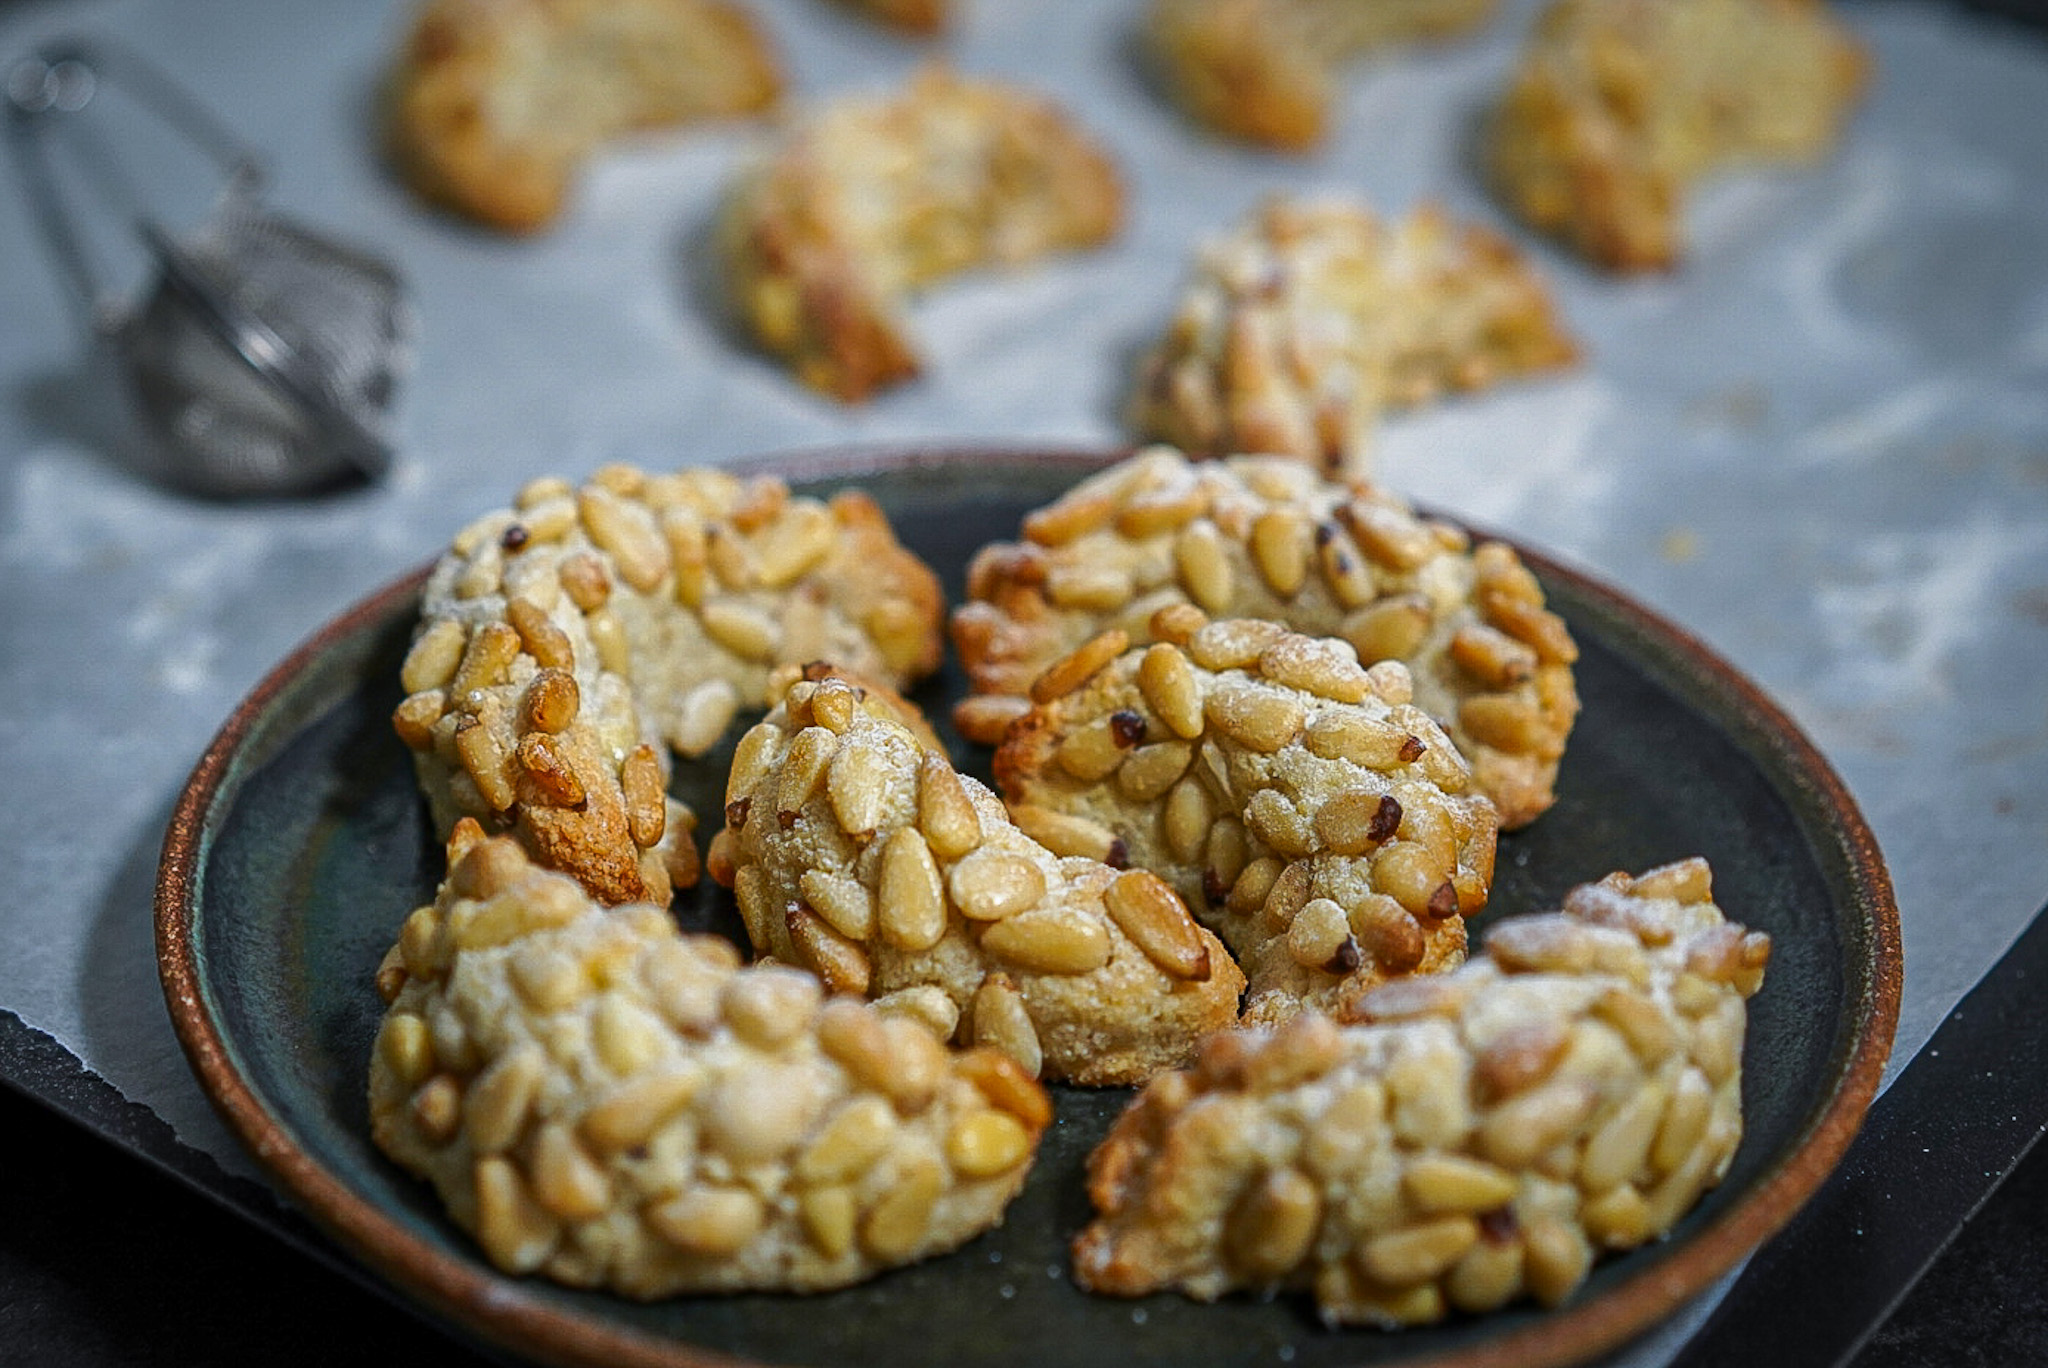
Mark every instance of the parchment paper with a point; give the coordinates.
(1822, 445)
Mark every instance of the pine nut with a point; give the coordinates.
(1005, 1083)
(1392, 629)
(608, 635)
(437, 1109)
(1519, 1058)
(990, 885)
(756, 1115)
(767, 1007)
(485, 759)
(745, 631)
(1390, 537)
(924, 1003)
(1255, 716)
(1520, 1129)
(858, 784)
(857, 1135)
(794, 544)
(1088, 588)
(895, 1226)
(432, 661)
(1272, 1227)
(985, 1143)
(1078, 666)
(1170, 690)
(842, 901)
(631, 1113)
(1001, 1021)
(566, 1180)
(1234, 644)
(1074, 516)
(1049, 943)
(1204, 567)
(1555, 1258)
(1185, 820)
(1274, 819)
(828, 1216)
(1064, 833)
(1357, 821)
(944, 812)
(732, 559)
(1401, 1258)
(1317, 665)
(1453, 1183)
(910, 899)
(839, 962)
(549, 773)
(585, 580)
(1147, 910)
(406, 1048)
(1091, 752)
(514, 1229)
(414, 718)
(1282, 542)
(803, 767)
(1487, 1278)
(713, 1223)
(1318, 935)
(702, 717)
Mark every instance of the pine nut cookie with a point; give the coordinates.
(602, 1099)
(1618, 106)
(860, 853)
(496, 104)
(1299, 329)
(870, 199)
(568, 643)
(1268, 537)
(1319, 820)
(1266, 70)
(1457, 1143)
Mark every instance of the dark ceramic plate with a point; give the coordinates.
(301, 844)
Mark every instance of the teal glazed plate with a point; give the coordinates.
(301, 843)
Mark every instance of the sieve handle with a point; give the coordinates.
(62, 78)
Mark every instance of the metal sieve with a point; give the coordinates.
(262, 356)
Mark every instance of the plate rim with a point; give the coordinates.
(476, 1297)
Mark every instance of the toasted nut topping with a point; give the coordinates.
(990, 885)
(911, 900)
(1049, 943)
(1073, 670)
(1270, 1230)
(1153, 916)
(986, 1143)
(897, 1223)
(711, 1222)
(432, 661)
